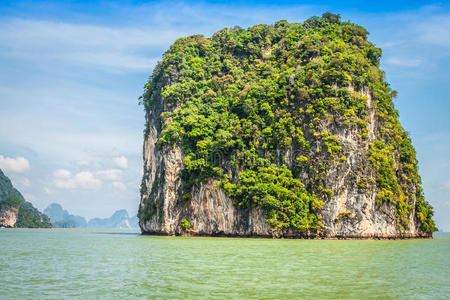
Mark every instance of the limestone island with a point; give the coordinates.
(285, 131)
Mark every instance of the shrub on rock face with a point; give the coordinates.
(185, 224)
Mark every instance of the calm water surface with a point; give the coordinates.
(65, 263)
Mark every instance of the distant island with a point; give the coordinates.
(15, 211)
(61, 218)
(286, 130)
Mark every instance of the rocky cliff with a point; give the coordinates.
(15, 211)
(286, 130)
(8, 216)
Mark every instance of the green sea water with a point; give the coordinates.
(72, 263)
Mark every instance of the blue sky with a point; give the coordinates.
(71, 73)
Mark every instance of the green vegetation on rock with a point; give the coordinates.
(185, 224)
(258, 110)
(27, 215)
(9, 202)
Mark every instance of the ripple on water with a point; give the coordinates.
(93, 264)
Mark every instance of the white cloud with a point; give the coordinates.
(119, 185)
(87, 180)
(83, 180)
(17, 165)
(113, 174)
(62, 174)
(121, 162)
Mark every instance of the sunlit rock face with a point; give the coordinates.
(8, 217)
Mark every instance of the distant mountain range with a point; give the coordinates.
(61, 218)
(15, 211)
(119, 219)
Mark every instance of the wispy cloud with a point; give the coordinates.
(411, 39)
(112, 174)
(89, 46)
(435, 31)
(62, 174)
(402, 62)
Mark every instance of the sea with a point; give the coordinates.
(122, 264)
